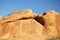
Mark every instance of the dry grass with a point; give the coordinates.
(54, 38)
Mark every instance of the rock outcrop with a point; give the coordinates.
(25, 25)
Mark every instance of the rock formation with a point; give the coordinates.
(25, 25)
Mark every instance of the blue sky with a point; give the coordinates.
(38, 6)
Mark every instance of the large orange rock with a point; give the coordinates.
(48, 20)
(21, 14)
(24, 25)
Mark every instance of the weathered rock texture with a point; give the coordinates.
(25, 25)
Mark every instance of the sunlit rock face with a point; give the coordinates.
(25, 25)
(1, 17)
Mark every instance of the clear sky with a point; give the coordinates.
(38, 6)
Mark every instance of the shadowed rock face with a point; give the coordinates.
(25, 25)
